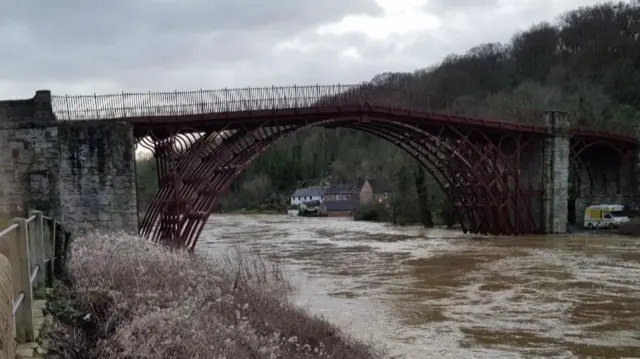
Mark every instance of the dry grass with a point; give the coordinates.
(145, 301)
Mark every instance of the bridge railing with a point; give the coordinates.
(392, 97)
(29, 244)
(179, 103)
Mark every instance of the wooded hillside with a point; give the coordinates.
(586, 62)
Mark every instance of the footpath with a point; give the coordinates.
(35, 349)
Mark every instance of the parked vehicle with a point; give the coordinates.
(313, 209)
(604, 216)
(293, 210)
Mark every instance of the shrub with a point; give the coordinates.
(373, 212)
(135, 299)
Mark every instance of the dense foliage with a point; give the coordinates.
(587, 63)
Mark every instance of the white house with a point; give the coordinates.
(307, 194)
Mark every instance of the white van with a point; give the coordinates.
(604, 216)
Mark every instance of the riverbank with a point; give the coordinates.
(129, 298)
(41, 323)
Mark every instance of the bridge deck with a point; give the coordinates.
(214, 109)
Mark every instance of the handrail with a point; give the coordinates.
(34, 273)
(8, 230)
(16, 303)
(32, 243)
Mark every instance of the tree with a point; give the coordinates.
(426, 217)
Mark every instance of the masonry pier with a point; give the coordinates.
(556, 173)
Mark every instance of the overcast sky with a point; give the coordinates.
(87, 46)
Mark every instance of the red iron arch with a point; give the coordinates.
(580, 164)
(195, 170)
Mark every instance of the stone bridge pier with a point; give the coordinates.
(80, 172)
(544, 172)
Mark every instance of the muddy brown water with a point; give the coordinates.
(441, 294)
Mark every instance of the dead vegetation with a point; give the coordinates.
(128, 298)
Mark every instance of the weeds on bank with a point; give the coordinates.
(129, 298)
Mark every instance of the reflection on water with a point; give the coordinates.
(436, 293)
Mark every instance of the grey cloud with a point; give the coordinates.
(103, 20)
(448, 6)
(70, 39)
(72, 46)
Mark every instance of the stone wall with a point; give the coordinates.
(97, 176)
(556, 173)
(80, 172)
(7, 326)
(28, 156)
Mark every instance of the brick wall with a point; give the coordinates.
(7, 327)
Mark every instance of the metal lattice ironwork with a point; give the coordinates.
(593, 160)
(478, 175)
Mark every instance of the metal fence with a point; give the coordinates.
(30, 245)
(181, 103)
(128, 105)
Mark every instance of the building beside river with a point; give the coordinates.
(342, 199)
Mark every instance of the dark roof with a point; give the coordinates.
(379, 186)
(308, 192)
(341, 188)
(340, 205)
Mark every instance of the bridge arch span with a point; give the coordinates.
(601, 171)
(477, 177)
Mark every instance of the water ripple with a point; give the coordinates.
(435, 293)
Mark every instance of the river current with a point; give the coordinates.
(435, 293)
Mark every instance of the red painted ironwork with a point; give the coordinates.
(202, 140)
(594, 160)
(477, 176)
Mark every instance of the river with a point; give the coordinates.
(441, 294)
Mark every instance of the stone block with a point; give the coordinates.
(25, 352)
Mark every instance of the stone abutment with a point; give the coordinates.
(80, 172)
